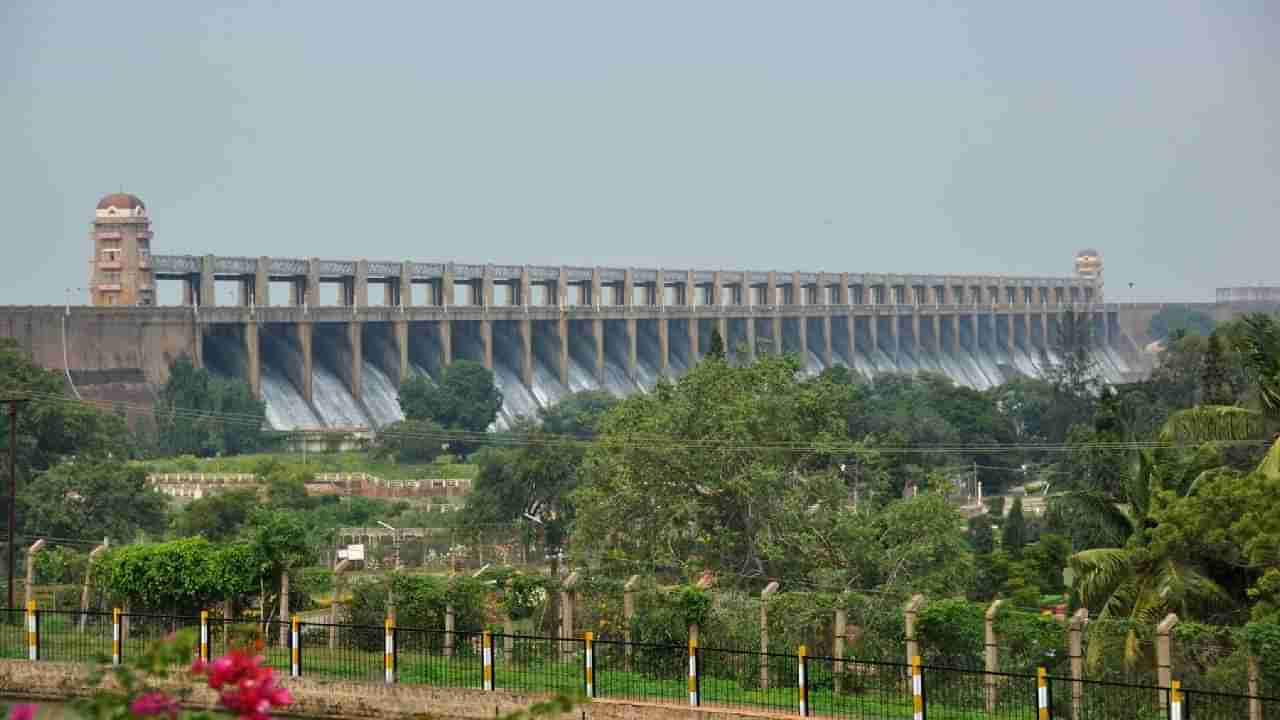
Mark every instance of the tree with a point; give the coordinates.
(1176, 381)
(178, 577)
(716, 351)
(534, 476)
(1075, 380)
(201, 414)
(465, 398)
(91, 499)
(411, 441)
(981, 539)
(1179, 318)
(1215, 383)
(1014, 533)
(695, 472)
(1027, 403)
(216, 517)
(577, 414)
(51, 425)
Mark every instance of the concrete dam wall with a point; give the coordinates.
(340, 367)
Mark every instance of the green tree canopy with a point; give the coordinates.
(692, 472)
(201, 414)
(411, 441)
(716, 350)
(87, 498)
(576, 414)
(182, 576)
(1013, 534)
(51, 425)
(464, 399)
(1179, 318)
(216, 517)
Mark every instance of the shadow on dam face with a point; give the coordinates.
(973, 349)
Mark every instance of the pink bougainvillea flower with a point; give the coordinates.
(25, 711)
(248, 688)
(154, 703)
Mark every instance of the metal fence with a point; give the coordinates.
(786, 683)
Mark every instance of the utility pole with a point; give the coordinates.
(13, 490)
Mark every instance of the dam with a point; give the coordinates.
(546, 331)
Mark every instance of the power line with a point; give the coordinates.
(643, 441)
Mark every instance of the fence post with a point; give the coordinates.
(487, 659)
(33, 630)
(204, 636)
(1075, 650)
(566, 612)
(991, 654)
(588, 664)
(1175, 700)
(124, 625)
(837, 648)
(508, 637)
(449, 623)
(1164, 669)
(694, 678)
(628, 612)
(917, 689)
(36, 547)
(909, 621)
(389, 650)
(115, 636)
(1042, 693)
(88, 578)
(769, 589)
(1255, 705)
(802, 681)
(295, 649)
(338, 570)
(284, 606)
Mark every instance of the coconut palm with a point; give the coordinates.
(1136, 582)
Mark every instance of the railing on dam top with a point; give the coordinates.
(791, 683)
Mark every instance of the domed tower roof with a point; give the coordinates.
(121, 201)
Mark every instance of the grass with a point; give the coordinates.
(344, 462)
(539, 666)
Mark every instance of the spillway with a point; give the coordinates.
(980, 362)
(381, 394)
(286, 408)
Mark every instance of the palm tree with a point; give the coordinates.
(1134, 581)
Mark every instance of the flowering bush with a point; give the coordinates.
(153, 686)
(247, 688)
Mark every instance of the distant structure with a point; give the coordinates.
(120, 271)
(1089, 265)
(1249, 295)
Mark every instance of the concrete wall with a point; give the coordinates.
(148, 340)
(22, 679)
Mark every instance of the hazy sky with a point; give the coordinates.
(842, 136)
